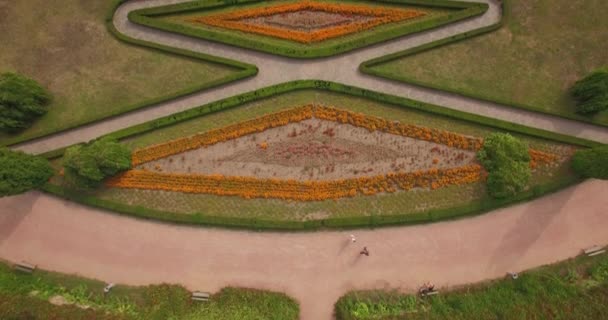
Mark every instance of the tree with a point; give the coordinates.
(508, 164)
(591, 92)
(22, 100)
(89, 164)
(591, 163)
(20, 172)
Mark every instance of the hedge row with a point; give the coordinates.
(146, 17)
(242, 70)
(367, 67)
(201, 219)
(336, 223)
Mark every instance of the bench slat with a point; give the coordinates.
(25, 267)
(593, 249)
(596, 253)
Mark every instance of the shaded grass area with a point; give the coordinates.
(65, 46)
(26, 297)
(574, 289)
(531, 62)
(399, 203)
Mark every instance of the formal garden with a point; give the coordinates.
(306, 156)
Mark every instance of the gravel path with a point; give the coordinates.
(315, 268)
(342, 68)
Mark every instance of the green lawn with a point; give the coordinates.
(398, 203)
(65, 46)
(26, 297)
(543, 48)
(574, 289)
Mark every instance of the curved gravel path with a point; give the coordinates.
(314, 268)
(342, 68)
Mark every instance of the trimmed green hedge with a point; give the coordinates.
(367, 67)
(146, 17)
(242, 70)
(334, 223)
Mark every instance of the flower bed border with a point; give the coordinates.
(381, 16)
(372, 221)
(293, 49)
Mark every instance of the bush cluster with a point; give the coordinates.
(22, 100)
(508, 164)
(591, 92)
(591, 163)
(20, 172)
(88, 165)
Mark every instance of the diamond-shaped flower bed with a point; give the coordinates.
(306, 28)
(308, 21)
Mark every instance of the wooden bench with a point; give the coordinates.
(429, 293)
(594, 251)
(200, 296)
(24, 267)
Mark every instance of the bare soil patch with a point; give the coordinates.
(314, 149)
(307, 20)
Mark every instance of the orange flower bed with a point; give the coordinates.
(538, 157)
(298, 114)
(249, 187)
(381, 16)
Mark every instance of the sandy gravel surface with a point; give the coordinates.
(315, 268)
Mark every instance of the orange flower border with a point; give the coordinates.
(298, 114)
(249, 187)
(382, 16)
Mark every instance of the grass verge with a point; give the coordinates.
(537, 35)
(27, 297)
(573, 289)
(91, 75)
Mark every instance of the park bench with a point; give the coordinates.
(200, 296)
(429, 293)
(24, 267)
(594, 251)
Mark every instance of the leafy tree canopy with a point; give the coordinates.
(89, 164)
(507, 161)
(20, 172)
(591, 92)
(591, 163)
(22, 100)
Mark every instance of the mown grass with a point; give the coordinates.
(26, 297)
(543, 48)
(573, 289)
(65, 46)
(384, 204)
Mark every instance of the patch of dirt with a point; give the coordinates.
(58, 300)
(314, 149)
(307, 20)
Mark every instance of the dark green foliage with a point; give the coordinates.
(508, 164)
(20, 172)
(591, 163)
(22, 100)
(591, 92)
(89, 164)
(545, 293)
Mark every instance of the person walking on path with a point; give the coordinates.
(352, 238)
(364, 251)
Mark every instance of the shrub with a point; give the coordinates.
(88, 165)
(20, 172)
(591, 92)
(507, 161)
(22, 100)
(591, 163)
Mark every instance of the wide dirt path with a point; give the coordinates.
(315, 268)
(274, 70)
